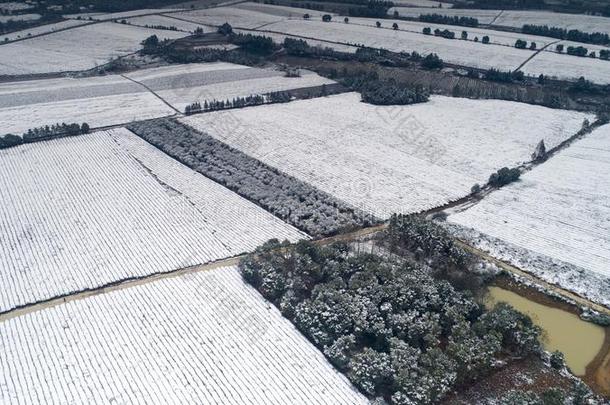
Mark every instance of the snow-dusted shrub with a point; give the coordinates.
(296, 202)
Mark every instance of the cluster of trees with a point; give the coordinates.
(430, 244)
(577, 51)
(438, 33)
(432, 61)
(286, 197)
(238, 102)
(399, 334)
(372, 9)
(521, 44)
(598, 38)
(384, 92)
(449, 20)
(504, 176)
(257, 44)
(46, 132)
(496, 75)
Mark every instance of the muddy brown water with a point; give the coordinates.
(578, 340)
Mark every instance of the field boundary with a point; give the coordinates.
(151, 91)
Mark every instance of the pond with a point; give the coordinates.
(578, 340)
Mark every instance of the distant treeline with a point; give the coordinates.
(449, 20)
(42, 133)
(597, 38)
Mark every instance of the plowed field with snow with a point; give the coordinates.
(560, 210)
(85, 211)
(205, 338)
(391, 159)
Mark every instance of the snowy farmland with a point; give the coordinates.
(392, 159)
(81, 212)
(518, 18)
(42, 29)
(19, 17)
(216, 341)
(161, 20)
(60, 52)
(466, 53)
(237, 17)
(568, 67)
(114, 99)
(495, 37)
(560, 211)
(122, 14)
(219, 81)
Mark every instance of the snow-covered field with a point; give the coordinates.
(19, 17)
(205, 338)
(99, 101)
(586, 23)
(392, 159)
(495, 37)
(42, 29)
(279, 39)
(121, 15)
(237, 17)
(96, 111)
(281, 11)
(466, 53)
(219, 81)
(81, 212)
(559, 210)
(160, 20)
(569, 67)
(113, 99)
(518, 18)
(14, 6)
(422, 3)
(484, 16)
(76, 49)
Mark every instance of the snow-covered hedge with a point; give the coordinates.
(296, 202)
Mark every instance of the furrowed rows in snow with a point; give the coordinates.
(560, 210)
(113, 99)
(81, 212)
(201, 338)
(76, 49)
(391, 159)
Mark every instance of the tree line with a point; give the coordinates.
(313, 211)
(238, 102)
(449, 20)
(597, 38)
(43, 133)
